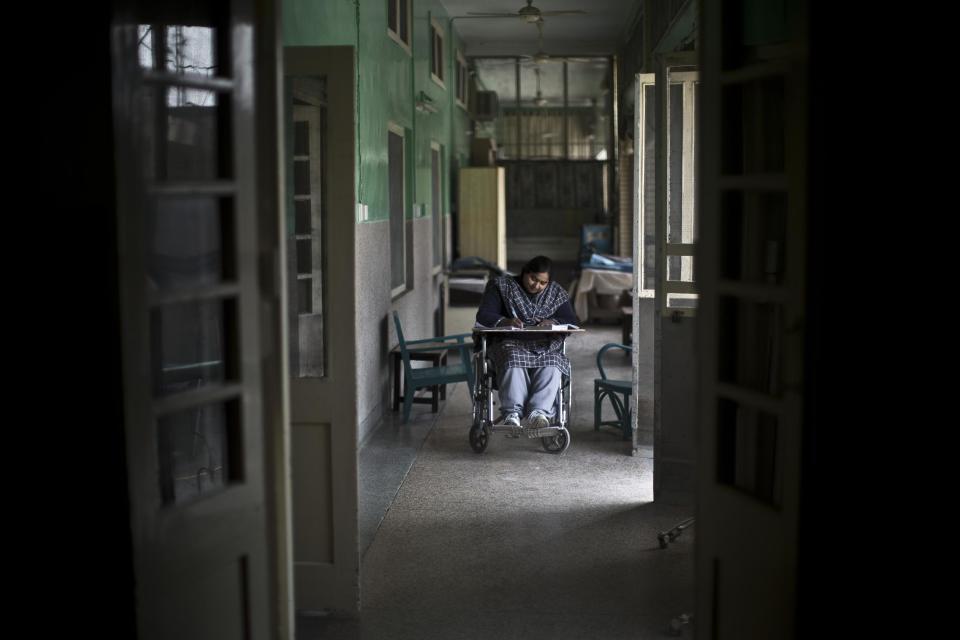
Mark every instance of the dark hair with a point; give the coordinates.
(540, 264)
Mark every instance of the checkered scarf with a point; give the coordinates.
(530, 351)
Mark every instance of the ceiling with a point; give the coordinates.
(600, 31)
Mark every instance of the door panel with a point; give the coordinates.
(323, 400)
(675, 362)
(191, 307)
(750, 340)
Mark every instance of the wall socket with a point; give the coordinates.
(363, 212)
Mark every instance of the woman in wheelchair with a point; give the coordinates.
(529, 367)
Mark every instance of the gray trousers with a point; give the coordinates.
(539, 384)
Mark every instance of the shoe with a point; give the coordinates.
(537, 420)
(512, 420)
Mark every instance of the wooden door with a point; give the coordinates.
(751, 345)
(321, 318)
(191, 308)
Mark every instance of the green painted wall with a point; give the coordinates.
(389, 79)
(329, 22)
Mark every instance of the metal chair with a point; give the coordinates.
(432, 376)
(618, 392)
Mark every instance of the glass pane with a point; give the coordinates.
(753, 235)
(750, 344)
(753, 134)
(301, 177)
(305, 257)
(392, 15)
(680, 269)
(649, 187)
(301, 138)
(681, 301)
(194, 124)
(304, 295)
(588, 96)
(498, 75)
(150, 104)
(541, 111)
(748, 24)
(199, 451)
(189, 242)
(436, 211)
(681, 181)
(404, 22)
(194, 345)
(303, 214)
(459, 78)
(437, 55)
(309, 363)
(747, 450)
(191, 50)
(305, 228)
(675, 187)
(397, 257)
(146, 46)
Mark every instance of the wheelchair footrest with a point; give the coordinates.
(544, 432)
(516, 432)
(510, 432)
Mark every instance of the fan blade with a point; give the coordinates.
(571, 12)
(491, 15)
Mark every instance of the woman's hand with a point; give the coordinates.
(511, 322)
(546, 322)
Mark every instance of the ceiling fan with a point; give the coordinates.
(528, 13)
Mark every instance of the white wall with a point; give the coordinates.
(377, 335)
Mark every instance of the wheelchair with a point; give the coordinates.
(555, 437)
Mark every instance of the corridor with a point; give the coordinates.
(516, 542)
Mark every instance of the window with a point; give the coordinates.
(548, 110)
(679, 229)
(397, 189)
(436, 198)
(646, 186)
(461, 80)
(398, 22)
(305, 234)
(436, 52)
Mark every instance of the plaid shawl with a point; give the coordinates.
(529, 351)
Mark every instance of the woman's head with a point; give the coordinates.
(535, 275)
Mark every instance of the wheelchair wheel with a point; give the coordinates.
(479, 438)
(557, 443)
